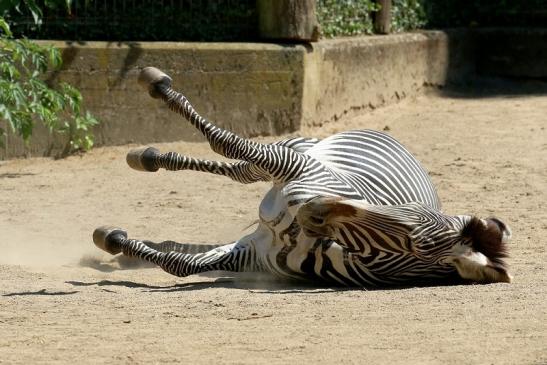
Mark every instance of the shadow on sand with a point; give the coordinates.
(40, 292)
(257, 284)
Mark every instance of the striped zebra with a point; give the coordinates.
(353, 209)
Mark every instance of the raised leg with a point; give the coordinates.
(237, 256)
(279, 162)
(151, 160)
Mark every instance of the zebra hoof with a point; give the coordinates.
(142, 159)
(108, 239)
(154, 81)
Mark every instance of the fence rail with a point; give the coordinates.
(145, 20)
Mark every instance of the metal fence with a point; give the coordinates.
(146, 20)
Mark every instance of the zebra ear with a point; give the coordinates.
(483, 261)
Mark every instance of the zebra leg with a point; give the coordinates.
(299, 144)
(232, 257)
(151, 160)
(188, 248)
(131, 262)
(279, 162)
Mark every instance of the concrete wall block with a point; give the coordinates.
(353, 74)
(252, 89)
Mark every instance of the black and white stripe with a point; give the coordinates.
(355, 208)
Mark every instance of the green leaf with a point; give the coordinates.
(4, 26)
(25, 99)
(35, 11)
(6, 5)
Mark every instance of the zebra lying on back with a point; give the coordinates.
(353, 209)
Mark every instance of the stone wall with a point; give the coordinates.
(250, 88)
(345, 76)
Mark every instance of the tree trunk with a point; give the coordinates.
(382, 18)
(288, 20)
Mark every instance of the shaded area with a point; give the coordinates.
(455, 13)
(264, 283)
(495, 62)
(160, 20)
(491, 87)
(40, 292)
(15, 175)
(512, 52)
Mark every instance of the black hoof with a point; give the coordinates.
(142, 159)
(108, 238)
(154, 80)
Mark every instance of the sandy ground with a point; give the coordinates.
(62, 302)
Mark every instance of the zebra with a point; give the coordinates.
(353, 209)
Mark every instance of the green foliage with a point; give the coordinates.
(355, 17)
(25, 96)
(345, 17)
(407, 15)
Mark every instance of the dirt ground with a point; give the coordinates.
(61, 301)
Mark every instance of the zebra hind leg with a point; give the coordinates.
(231, 257)
(270, 159)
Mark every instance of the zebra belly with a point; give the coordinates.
(377, 166)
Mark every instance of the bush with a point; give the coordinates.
(26, 98)
(407, 15)
(345, 17)
(355, 17)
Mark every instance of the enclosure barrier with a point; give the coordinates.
(258, 89)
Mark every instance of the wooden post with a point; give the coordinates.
(382, 18)
(288, 19)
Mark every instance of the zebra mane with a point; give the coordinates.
(488, 237)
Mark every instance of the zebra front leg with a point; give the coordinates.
(150, 159)
(236, 257)
(279, 162)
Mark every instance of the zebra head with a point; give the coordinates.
(476, 247)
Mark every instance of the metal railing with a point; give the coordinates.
(146, 20)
